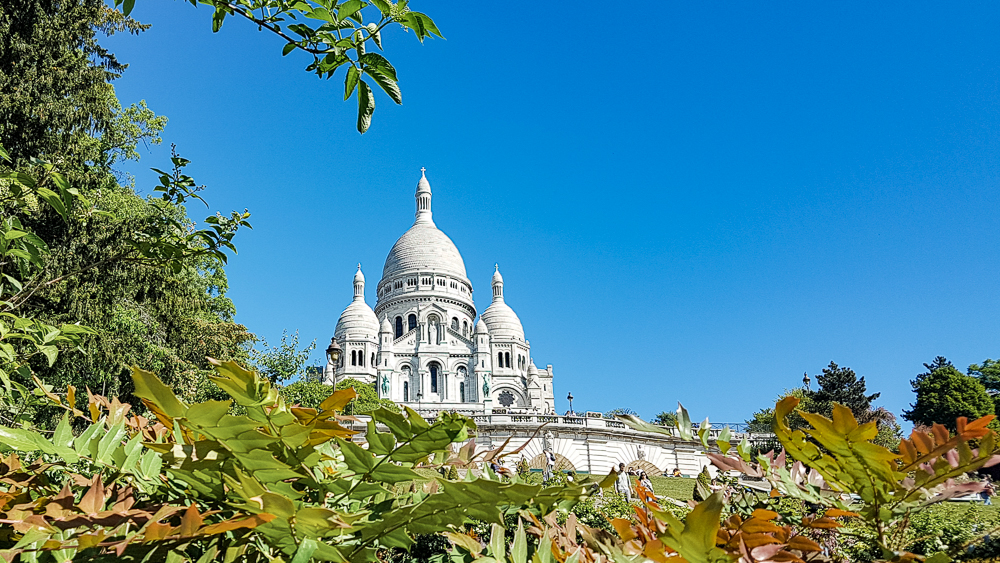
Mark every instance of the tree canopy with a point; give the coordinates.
(944, 394)
(840, 385)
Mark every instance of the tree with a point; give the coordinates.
(310, 393)
(944, 394)
(137, 271)
(762, 421)
(840, 385)
(988, 373)
(619, 411)
(284, 361)
(664, 418)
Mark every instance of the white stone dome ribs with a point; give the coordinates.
(424, 248)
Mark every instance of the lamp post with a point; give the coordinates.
(570, 398)
(333, 358)
(805, 379)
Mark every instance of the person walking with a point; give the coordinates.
(988, 492)
(623, 485)
(550, 464)
(645, 482)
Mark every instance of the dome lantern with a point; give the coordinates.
(423, 196)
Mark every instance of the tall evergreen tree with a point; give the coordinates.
(841, 385)
(57, 103)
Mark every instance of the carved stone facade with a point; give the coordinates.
(423, 344)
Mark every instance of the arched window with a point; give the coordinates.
(373, 359)
(507, 358)
(411, 322)
(434, 378)
(399, 327)
(499, 359)
(354, 358)
(406, 391)
(454, 324)
(465, 328)
(461, 391)
(361, 358)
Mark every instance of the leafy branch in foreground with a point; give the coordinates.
(340, 38)
(194, 482)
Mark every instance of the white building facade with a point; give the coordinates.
(423, 344)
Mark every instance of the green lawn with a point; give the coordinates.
(677, 488)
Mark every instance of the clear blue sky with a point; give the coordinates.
(688, 201)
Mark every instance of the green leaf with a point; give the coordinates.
(683, 422)
(388, 86)
(127, 6)
(349, 8)
(519, 549)
(6, 156)
(351, 82)
(391, 473)
(497, 548)
(357, 458)
(366, 106)
(218, 17)
(54, 201)
(288, 48)
(149, 387)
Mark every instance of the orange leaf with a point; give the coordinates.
(764, 514)
(624, 529)
(757, 540)
(93, 500)
(803, 543)
(837, 513)
(191, 521)
(922, 442)
(157, 531)
(980, 423)
(822, 523)
(248, 522)
(757, 526)
(338, 400)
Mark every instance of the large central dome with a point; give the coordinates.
(424, 248)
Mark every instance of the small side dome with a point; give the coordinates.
(532, 370)
(503, 322)
(497, 278)
(481, 327)
(386, 326)
(358, 321)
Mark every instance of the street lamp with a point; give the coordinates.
(333, 358)
(805, 379)
(570, 398)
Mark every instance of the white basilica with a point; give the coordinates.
(424, 347)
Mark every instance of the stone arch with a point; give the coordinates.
(643, 465)
(562, 463)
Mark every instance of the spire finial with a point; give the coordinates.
(496, 267)
(422, 170)
(359, 266)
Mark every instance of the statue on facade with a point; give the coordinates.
(486, 386)
(547, 441)
(640, 453)
(385, 386)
